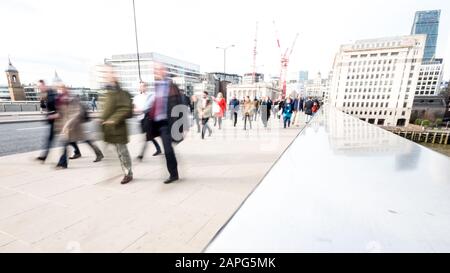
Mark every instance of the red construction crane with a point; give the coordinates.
(284, 60)
(254, 54)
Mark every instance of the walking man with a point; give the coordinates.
(117, 109)
(167, 97)
(234, 108)
(308, 109)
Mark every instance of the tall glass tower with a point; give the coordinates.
(427, 22)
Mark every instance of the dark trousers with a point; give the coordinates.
(197, 122)
(171, 160)
(50, 138)
(265, 115)
(287, 121)
(205, 127)
(235, 118)
(249, 118)
(63, 159)
(144, 130)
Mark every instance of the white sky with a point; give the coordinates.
(70, 36)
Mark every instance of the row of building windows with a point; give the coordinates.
(373, 113)
(369, 90)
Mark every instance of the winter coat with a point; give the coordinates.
(116, 108)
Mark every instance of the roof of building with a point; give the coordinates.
(11, 68)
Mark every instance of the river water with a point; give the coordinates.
(440, 148)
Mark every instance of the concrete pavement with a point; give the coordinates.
(85, 209)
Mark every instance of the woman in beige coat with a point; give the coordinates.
(71, 129)
(248, 111)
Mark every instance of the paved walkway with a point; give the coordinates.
(85, 209)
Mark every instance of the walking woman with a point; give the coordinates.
(205, 112)
(287, 113)
(248, 111)
(222, 108)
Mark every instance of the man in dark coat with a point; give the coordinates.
(308, 109)
(49, 97)
(165, 121)
(266, 108)
(117, 109)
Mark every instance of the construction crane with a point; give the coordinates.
(284, 60)
(254, 54)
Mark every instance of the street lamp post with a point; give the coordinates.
(224, 56)
(137, 44)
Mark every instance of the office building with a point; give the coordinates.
(127, 70)
(375, 80)
(430, 78)
(427, 22)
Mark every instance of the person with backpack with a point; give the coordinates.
(117, 109)
(308, 109)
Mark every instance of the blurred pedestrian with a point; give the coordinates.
(49, 97)
(248, 112)
(141, 104)
(72, 115)
(205, 112)
(167, 97)
(266, 108)
(195, 111)
(287, 112)
(221, 103)
(256, 105)
(94, 104)
(308, 109)
(117, 109)
(234, 109)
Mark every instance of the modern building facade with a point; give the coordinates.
(127, 69)
(427, 22)
(430, 78)
(303, 76)
(375, 80)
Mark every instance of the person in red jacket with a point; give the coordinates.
(218, 116)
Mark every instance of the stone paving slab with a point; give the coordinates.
(86, 209)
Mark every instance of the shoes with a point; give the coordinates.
(157, 153)
(41, 158)
(75, 156)
(171, 180)
(98, 158)
(126, 179)
(60, 167)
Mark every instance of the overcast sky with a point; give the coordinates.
(70, 36)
